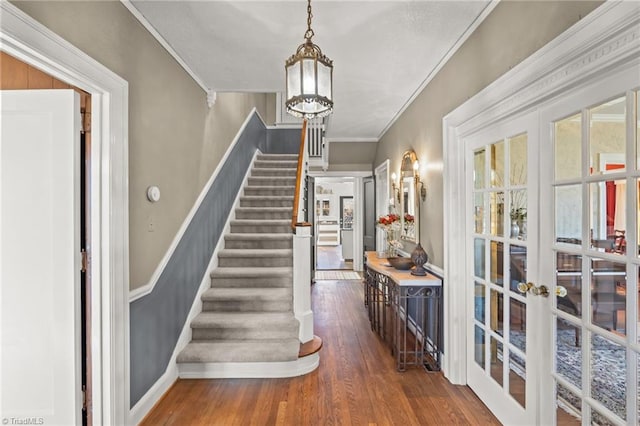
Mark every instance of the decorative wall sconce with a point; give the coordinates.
(394, 186)
(416, 176)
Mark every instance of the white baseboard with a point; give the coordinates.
(153, 395)
(249, 370)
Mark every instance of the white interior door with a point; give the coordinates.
(501, 250)
(39, 256)
(590, 253)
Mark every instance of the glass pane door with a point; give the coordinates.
(500, 242)
(594, 250)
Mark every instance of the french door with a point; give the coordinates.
(501, 246)
(589, 253)
(553, 259)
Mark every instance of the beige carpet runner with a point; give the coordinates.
(247, 314)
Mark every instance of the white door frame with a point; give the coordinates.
(382, 199)
(358, 206)
(26, 39)
(607, 39)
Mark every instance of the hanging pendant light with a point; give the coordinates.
(309, 78)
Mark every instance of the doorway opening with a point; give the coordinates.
(334, 219)
(18, 75)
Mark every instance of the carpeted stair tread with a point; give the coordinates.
(257, 236)
(262, 209)
(276, 164)
(242, 319)
(267, 188)
(270, 171)
(252, 273)
(271, 180)
(255, 253)
(247, 314)
(253, 258)
(263, 212)
(264, 222)
(259, 241)
(267, 197)
(259, 350)
(277, 157)
(266, 201)
(248, 299)
(227, 293)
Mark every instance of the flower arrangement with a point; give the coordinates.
(391, 225)
(408, 217)
(386, 222)
(518, 213)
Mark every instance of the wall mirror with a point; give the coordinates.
(409, 207)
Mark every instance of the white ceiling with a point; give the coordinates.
(383, 51)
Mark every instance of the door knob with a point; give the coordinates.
(541, 290)
(561, 291)
(524, 287)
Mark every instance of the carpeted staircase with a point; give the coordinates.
(247, 314)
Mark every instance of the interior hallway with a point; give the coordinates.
(355, 384)
(330, 258)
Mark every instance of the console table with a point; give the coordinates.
(405, 312)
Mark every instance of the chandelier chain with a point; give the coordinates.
(309, 33)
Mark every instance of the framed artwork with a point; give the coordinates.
(326, 207)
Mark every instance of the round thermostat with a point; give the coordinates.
(153, 193)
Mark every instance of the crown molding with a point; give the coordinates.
(474, 25)
(164, 43)
(608, 36)
(351, 140)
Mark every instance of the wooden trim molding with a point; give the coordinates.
(26, 39)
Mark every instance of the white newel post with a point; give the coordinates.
(302, 281)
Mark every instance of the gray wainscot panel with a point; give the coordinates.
(283, 141)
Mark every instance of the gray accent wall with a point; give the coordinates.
(157, 319)
(283, 141)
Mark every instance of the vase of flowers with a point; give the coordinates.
(391, 225)
(408, 225)
(518, 220)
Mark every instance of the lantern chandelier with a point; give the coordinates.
(309, 78)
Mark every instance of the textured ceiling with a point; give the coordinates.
(383, 51)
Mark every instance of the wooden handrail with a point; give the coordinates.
(296, 198)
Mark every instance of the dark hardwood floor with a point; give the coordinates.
(356, 383)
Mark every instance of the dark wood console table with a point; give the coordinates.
(405, 312)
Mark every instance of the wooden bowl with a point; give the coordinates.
(401, 263)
